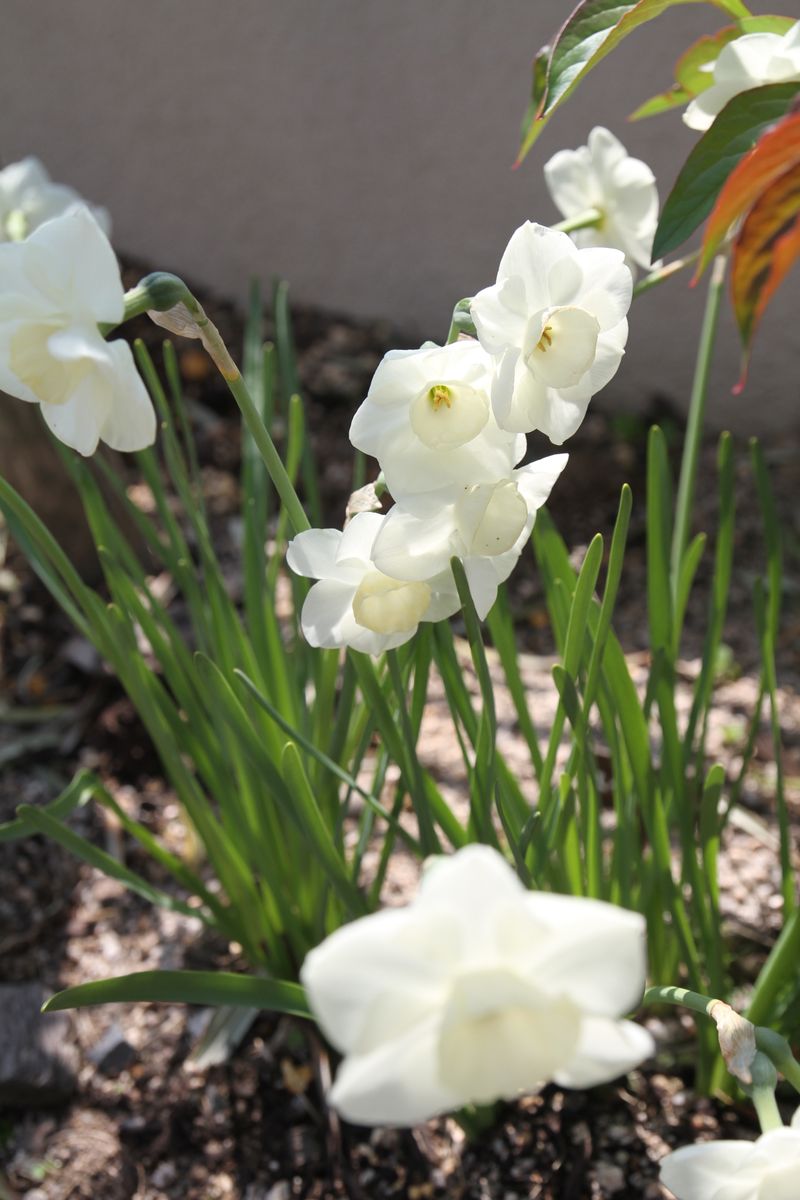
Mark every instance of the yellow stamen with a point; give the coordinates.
(440, 395)
(547, 336)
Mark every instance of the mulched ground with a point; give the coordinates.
(144, 1120)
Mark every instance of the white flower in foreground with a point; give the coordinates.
(748, 62)
(603, 175)
(28, 198)
(767, 1169)
(477, 991)
(427, 419)
(355, 604)
(486, 525)
(56, 287)
(556, 319)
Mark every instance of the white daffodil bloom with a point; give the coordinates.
(486, 525)
(602, 175)
(766, 1169)
(476, 991)
(354, 603)
(751, 61)
(556, 320)
(427, 419)
(28, 198)
(56, 287)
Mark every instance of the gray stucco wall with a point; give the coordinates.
(360, 148)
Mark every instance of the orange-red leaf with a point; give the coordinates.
(765, 248)
(774, 153)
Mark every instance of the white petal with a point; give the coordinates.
(358, 538)
(131, 420)
(396, 1084)
(409, 547)
(535, 480)
(373, 979)
(596, 953)
(607, 151)
(569, 180)
(607, 286)
(471, 883)
(328, 613)
(483, 576)
(534, 253)
(698, 1172)
(312, 553)
(71, 258)
(18, 177)
(500, 314)
(78, 421)
(606, 1049)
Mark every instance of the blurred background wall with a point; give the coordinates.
(360, 148)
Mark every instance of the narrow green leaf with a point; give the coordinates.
(187, 987)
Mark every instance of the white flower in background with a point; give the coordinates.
(427, 419)
(602, 175)
(56, 287)
(751, 61)
(28, 198)
(556, 320)
(477, 991)
(486, 525)
(355, 604)
(767, 1169)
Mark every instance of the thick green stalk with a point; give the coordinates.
(694, 428)
(590, 218)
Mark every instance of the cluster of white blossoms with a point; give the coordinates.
(59, 286)
(477, 991)
(767, 1169)
(752, 61)
(447, 424)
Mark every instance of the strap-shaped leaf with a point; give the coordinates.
(735, 132)
(593, 30)
(186, 987)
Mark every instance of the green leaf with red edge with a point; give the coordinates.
(691, 70)
(775, 152)
(592, 31)
(734, 133)
(766, 246)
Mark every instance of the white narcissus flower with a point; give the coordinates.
(556, 320)
(603, 175)
(477, 991)
(354, 604)
(56, 287)
(751, 61)
(427, 419)
(28, 198)
(486, 525)
(766, 1169)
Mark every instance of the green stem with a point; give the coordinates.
(590, 218)
(777, 1048)
(662, 274)
(678, 995)
(762, 1092)
(694, 428)
(184, 315)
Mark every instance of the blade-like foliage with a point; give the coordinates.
(186, 987)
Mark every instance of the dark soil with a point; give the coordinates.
(149, 1123)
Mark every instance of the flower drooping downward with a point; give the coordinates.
(478, 990)
(28, 198)
(56, 288)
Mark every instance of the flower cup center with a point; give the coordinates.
(387, 605)
(490, 517)
(445, 416)
(560, 346)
